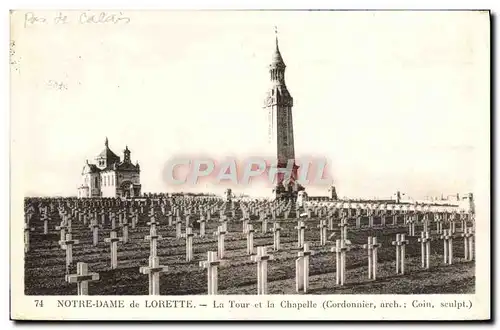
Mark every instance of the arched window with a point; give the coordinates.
(96, 181)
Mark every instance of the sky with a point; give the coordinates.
(392, 100)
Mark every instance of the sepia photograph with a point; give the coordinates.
(202, 153)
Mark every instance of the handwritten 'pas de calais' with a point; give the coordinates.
(87, 17)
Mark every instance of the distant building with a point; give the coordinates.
(110, 177)
(464, 202)
(467, 202)
(333, 193)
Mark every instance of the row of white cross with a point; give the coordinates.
(264, 209)
(261, 208)
(340, 249)
(66, 241)
(342, 246)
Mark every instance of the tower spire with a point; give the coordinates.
(276, 34)
(106, 141)
(277, 60)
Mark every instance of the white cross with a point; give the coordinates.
(153, 238)
(45, 224)
(94, 226)
(261, 259)
(124, 226)
(372, 248)
(276, 236)
(211, 265)
(178, 228)
(301, 227)
(302, 269)
(220, 233)
(113, 244)
(468, 236)
(400, 244)
(202, 226)
(189, 243)
(343, 228)
(340, 250)
(245, 224)
(249, 232)
(81, 278)
(439, 222)
(411, 224)
(27, 230)
(264, 224)
(153, 271)
(447, 238)
(322, 232)
(425, 248)
(67, 245)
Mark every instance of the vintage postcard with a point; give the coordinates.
(250, 165)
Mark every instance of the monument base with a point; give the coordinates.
(289, 192)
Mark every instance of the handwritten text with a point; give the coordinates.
(82, 18)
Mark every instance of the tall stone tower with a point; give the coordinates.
(279, 103)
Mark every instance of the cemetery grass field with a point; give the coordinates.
(45, 262)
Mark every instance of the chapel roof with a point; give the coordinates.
(90, 168)
(107, 153)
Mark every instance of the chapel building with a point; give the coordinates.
(110, 177)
